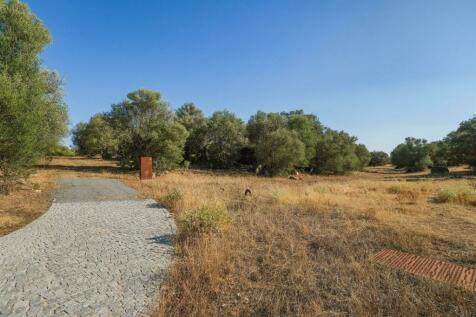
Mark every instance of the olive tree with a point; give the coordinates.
(462, 143)
(33, 115)
(379, 158)
(279, 152)
(225, 136)
(144, 126)
(414, 155)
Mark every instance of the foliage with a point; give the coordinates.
(172, 199)
(33, 115)
(462, 143)
(144, 126)
(194, 121)
(95, 137)
(262, 124)
(62, 150)
(307, 128)
(363, 155)
(336, 153)
(461, 195)
(414, 155)
(203, 220)
(379, 158)
(279, 152)
(224, 138)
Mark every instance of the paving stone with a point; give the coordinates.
(86, 258)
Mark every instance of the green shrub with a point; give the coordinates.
(203, 220)
(459, 195)
(171, 199)
(62, 150)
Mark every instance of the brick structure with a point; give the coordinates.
(431, 268)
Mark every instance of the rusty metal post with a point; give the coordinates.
(146, 167)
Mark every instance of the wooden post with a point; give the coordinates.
(146, 167)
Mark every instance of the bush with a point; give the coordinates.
(460, 195)
(203, 220)
(280, 152)
(172, 199)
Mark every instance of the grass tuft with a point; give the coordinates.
(202, 220)
(459, 195)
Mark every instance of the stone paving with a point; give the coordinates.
(87, 258)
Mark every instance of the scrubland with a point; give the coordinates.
(304, 247)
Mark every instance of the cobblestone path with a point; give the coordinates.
(98, 251)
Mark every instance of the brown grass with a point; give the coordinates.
(304, 247)
(31, 197)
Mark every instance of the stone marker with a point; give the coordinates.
(146, 167)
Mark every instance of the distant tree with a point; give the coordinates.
(336, 153)
(279, 152)
(225, 137)
(462, 143)
(262, 124)
(62, 150)
(144, 126)
(414, 155)
(33, 115)
(95, 137)
(379, 158)
(363, 156)
(308, 129)
(192, 118)
(440, 154)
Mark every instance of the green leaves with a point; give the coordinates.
(280, 151)
(33, 115)
(414, 155)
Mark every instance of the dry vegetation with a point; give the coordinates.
(303, 247)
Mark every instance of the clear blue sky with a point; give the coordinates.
(381, 70)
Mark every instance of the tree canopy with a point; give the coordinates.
(33, 116)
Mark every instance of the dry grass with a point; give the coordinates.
(304, 247)
(31, 198)
(28, 201)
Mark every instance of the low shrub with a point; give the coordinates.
(172, 199)
(459, 195)
(203, 220)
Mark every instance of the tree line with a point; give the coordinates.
(458, 147)
(269, 143)
(33, 116)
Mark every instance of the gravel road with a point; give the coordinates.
(98, 251)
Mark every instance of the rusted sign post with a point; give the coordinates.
(145, 167)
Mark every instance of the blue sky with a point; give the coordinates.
(380, 70)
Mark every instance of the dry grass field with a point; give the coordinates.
(304, 247)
